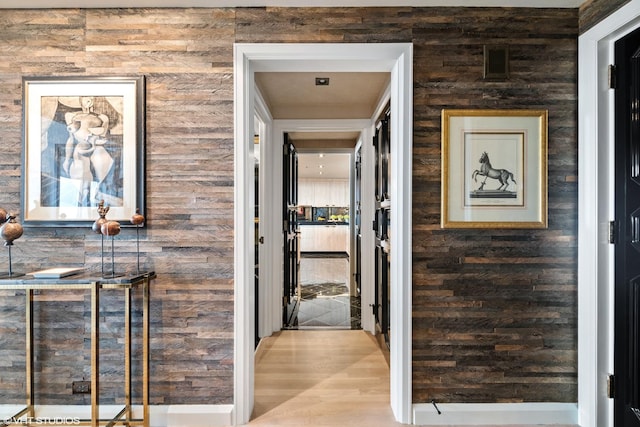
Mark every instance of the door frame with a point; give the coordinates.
(596, 209)
(279, 128)
(396, 58)
(350, 152)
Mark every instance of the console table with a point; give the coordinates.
(83, 282)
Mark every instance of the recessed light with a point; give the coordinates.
(322, 81)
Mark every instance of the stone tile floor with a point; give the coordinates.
(324, 295)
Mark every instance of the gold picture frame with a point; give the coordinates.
(494, 169)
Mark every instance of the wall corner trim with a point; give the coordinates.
(495, 414)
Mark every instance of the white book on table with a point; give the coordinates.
(56, 273)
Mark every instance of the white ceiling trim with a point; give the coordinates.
(52, 4)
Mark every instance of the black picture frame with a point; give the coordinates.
(83, 142)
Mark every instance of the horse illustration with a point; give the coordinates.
(487, 171)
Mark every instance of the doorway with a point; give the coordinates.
(327, 299)
(393, 58)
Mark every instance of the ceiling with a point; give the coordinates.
(324, 165)
(51, 4)
(345, 95)
(290, 95)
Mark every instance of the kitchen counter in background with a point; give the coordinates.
(324, 237)
(322, 223)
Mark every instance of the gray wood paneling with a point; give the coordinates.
(494, 311)
(448, 74)
(594, 11)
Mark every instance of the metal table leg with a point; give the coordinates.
(127, 354)
(145, 351)
(29, 353)
(95, 343)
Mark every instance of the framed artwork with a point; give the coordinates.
(494, 169)
(83, 143)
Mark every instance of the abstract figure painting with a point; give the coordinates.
(83, 143)
(494, 169)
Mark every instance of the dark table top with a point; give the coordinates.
(82, 279)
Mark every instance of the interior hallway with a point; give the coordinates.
(324, 378)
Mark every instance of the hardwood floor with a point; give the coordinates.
(323, 378)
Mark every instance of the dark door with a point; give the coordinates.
(627, 241)
(382, 147)
(290, 231)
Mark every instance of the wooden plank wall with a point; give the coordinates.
(594, 11)
(186, 55)
(494, 311)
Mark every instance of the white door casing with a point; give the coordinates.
(596, 209)
(396, 58)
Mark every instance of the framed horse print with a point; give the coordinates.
(494, 169)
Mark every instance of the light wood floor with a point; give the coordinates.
(321, 378)
(324, 378)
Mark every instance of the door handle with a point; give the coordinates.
(261, 240)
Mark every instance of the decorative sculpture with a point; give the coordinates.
(136, 220)
(108, 228)
(102, 211)
(111, 228)
(10, 231)
(97, 228)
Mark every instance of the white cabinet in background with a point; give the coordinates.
(323, 192)
(324, 238)
(306, 192)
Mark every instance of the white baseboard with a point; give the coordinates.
(159, 415)
(460, 414)
(199, 416)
